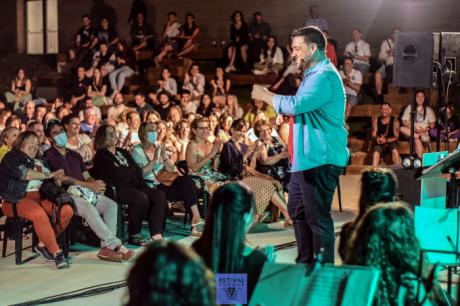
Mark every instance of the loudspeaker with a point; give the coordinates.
(413, 60)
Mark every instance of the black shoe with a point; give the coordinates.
(44, 253)
(60, 261)
(137, 240)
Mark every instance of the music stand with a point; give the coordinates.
(449, 165)
(327, 286)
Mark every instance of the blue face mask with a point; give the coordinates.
(61, 140)
(152, 136)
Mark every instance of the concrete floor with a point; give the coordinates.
(37, 279)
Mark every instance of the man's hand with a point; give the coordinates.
(261, 93)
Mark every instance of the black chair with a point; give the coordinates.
(14, 229)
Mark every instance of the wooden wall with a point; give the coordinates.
(374, 17)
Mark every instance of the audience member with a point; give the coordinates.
(40, 112)
(124, 67)
(194, 82)
(385, 239)
(8, 137)
(386, 56)
(79, 87)
(89, 125)
(117, 108)
(103, 59)
(385, 135)
(238, 47)
(141, 35)
(272, 155)
(167, 83)
(164, 106)
(21, 177)
(174, 115)
(129, 137)
(453, 126)
(116, 167)
(221, 86)
(271, 58)
(87, 194)
(331, 49)
(224, 246)
(154, 162)
(359, 51)
(98, 90)
(28, 112)
(257, 106)
(259, 30)
(4, 115)
(352, 80)
(171, 31)
(19, 90)
(187, 41)
(205, 107)
(378, 185)
(224, 127)
(141, 105)
(234, 156)
(233, 108)
(187, 106)
(77, 142)
(39, 129)
(85, 40)
(202, 156)
(315, 20)
(167, 273)
(425, 120)
(107, 34)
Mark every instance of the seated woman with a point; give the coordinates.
(239, 36)
(202, 157)
(20, 90)
(271, 59)
(258, 105)
(234, 157)
(116, 167)
(272, 155)
(213, 123)
(7, 139)
(182, 130)
(385, 239)
(221, 86)
(76, 141)
(150, 157)
(224, 246)
(167, 140)
(453, 126)
(21, 176)
(4, 115)
(98, 89)
(174, 115)
(167, 273)
(205, 107)
(378, 185)
(425, 120)
(167, 83)
(233, 108)
(124, 67)
(187, 40)
(223, 129)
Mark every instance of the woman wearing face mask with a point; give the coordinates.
(152, 159)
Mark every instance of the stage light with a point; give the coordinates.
(411, 162)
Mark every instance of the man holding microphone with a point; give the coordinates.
(317, 143)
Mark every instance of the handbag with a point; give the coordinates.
(167, 178)
(58, 195)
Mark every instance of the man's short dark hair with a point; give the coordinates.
(347, 58)
(256, 14)
(85, 16)
(385, 103)
(49, 126)
(172, 13)
(186, 92)
(311, 35)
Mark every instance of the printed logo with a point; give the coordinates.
(231, 289)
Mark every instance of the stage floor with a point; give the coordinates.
(37, 279)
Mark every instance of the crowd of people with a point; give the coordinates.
(92, 142)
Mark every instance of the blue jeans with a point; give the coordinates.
(309, 205)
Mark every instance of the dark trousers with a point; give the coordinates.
(144, 202)
(309, 204)
(182, 189)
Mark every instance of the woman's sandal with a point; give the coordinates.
(288, 224)
(138, 240)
